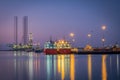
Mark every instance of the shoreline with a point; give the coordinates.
(82, 52)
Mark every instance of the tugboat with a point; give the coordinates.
(37, 49)
(57, 47)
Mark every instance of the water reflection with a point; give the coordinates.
(58, 61)
(118, 66)
(110, 62)
(15, 64)
(104, 70)
(54, 67)
(64, 64)
(72, 67)
(49, 66)
(62, 67)
(32, 66)
(25, 66)
(89, 67)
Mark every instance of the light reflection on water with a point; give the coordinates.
(64, 64)
(33, 66)
(118, 65)
(89, 67)
(104, 70)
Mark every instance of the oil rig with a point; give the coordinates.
(27, 40)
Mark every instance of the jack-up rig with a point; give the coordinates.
(27, 42)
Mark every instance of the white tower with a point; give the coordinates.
(31, 39)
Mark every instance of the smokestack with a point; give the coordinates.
(16, 29)
(25, 30)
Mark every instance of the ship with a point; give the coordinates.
(57, 47)
(38, 49)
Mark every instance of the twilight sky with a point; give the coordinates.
(60, 17)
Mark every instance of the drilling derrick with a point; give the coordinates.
(25, 30)
(16, 30)
(30, 39)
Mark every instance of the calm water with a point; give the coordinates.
(33, 66)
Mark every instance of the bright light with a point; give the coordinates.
(62, 42)
(89, 35)
(72, 34)
(103, 40)
(103, 27)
